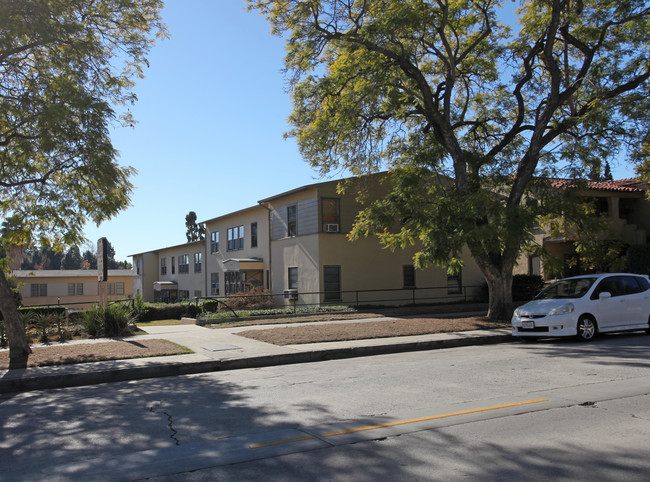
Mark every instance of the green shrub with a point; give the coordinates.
(211, 318)
(210, 306)
(112, 320)
(168, 311)
(526, 286)
(256, 299)
(139, 309)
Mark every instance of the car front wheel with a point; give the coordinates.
(587, 328)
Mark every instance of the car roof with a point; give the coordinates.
(601, 275)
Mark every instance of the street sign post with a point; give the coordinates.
(102, 269)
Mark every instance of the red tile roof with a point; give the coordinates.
(622, 185)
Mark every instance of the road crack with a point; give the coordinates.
(170, 421)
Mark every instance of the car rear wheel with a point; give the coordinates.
(587, 328)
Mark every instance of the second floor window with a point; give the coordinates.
(331, 216)
(163, 266)
(198, 259)
(173, 266)
(184, 263)
(291, 220)
(253, 235)
(214, 242)
(236, 238)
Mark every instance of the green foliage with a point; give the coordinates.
(210, 306)
(167, 311)
(66, 67)
(255, 299)
(465, 111)
(194, 231)
(138, 308)
(110, 321)
(602, 256)
(36, 311)
(211, 318)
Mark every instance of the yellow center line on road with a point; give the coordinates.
(394, 424)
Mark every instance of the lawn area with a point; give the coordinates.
(144, 324)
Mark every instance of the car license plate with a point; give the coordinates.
(528, 324)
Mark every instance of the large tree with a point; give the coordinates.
(466, 111)
(66, 69)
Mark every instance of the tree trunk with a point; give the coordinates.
(497, 269)
(19, 349)
(500, 289)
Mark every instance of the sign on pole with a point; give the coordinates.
(102, 259)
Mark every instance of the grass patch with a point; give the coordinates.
(144, 324)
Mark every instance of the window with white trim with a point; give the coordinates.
(184, 263)
(214, 283)
(198, 261)
(75, 289)
(115, 288)
(235, 238)
(38, 289)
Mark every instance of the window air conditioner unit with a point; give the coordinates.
(331, 228)
(291, 294)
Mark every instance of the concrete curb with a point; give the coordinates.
(27, 383)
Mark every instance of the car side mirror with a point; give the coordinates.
(605, 294)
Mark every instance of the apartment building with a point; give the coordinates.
(626, 205)
(295, 243)
(77, 287)
(171, 274)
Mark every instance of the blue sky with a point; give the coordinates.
(211, 115)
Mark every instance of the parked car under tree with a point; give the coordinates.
(586, 305)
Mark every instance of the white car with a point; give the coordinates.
(584, 306)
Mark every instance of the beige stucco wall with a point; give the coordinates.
(215, 261)
(190, 281)
(143, 282)
(365, 264)
(57, 286)
(301, 252)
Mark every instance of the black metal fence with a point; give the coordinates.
(357, 299)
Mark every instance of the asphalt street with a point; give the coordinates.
(555, 409)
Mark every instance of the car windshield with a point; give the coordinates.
(567, 288)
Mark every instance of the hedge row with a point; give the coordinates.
(171, 311)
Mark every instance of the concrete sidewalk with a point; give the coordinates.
(222, 349)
